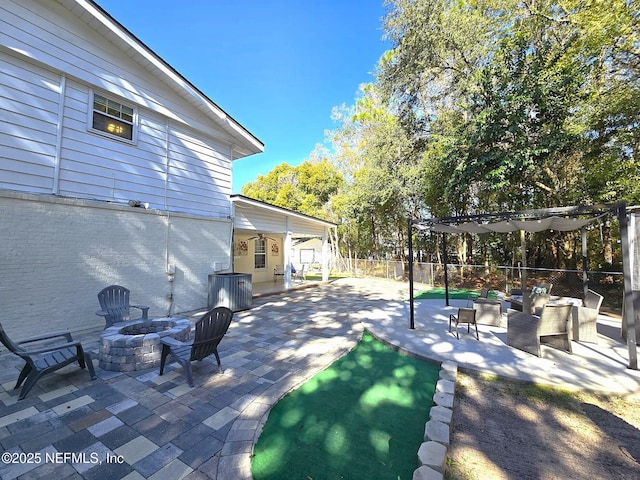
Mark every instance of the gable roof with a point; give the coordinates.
(101, 21)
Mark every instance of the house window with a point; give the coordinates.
(112, 118)
(260, 253)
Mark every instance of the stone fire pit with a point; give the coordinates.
(136, 345)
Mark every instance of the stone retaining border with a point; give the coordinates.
(432, 454)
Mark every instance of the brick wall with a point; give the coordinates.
(57, 253)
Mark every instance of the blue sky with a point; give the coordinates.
(277, 66)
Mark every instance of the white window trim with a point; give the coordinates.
(256, 253)
(134, 125)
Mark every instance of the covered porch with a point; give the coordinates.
(264, 238)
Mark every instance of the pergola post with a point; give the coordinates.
(412, 325)
(629, 314)
(523, 249)
(445, 258)
(585, 277)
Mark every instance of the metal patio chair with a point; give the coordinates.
(300, 274)
(465, 315)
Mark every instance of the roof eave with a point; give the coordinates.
(245, 144)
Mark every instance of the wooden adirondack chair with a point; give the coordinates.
(115, 307)
(43, 357)
(209, 332)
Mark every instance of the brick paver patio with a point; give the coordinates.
(140, 425)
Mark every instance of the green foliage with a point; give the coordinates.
(481, 105)
(307, 188)
(517, 105)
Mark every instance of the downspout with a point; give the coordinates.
(55, 188)
(166, 165)
(232, 216)
(170, 268)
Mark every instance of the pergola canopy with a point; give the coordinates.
(560, 224)
(560, 219)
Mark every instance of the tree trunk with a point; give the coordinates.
(607, 245)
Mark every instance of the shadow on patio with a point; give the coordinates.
(154, 425)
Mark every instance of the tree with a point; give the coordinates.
(517, 104)
(307, 188)
(383, 182)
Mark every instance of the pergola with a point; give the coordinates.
(560, 219)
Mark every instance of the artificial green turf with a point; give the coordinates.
(361, 418)
(454, 293)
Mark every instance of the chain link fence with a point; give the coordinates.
(502, 278)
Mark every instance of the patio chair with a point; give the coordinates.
(465, 315)
(585, 317)
(532, 301)
(115, 306)
(488, 311)
(209, 331)
(300, 274)
(278, 272)
(525, 331)
(43, 357)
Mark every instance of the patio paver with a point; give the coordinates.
(149, 426)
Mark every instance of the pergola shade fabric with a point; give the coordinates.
(561, 224)
(562, 219)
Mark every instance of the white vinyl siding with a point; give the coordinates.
(262, 220)
(180, 161)
(99, 167)
(29, 98)
(52, 36)
(199, 174)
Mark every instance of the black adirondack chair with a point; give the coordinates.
(208, 332)
(115, 307)
(43, 357)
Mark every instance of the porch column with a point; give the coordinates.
(287, 254)
(325, 254)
